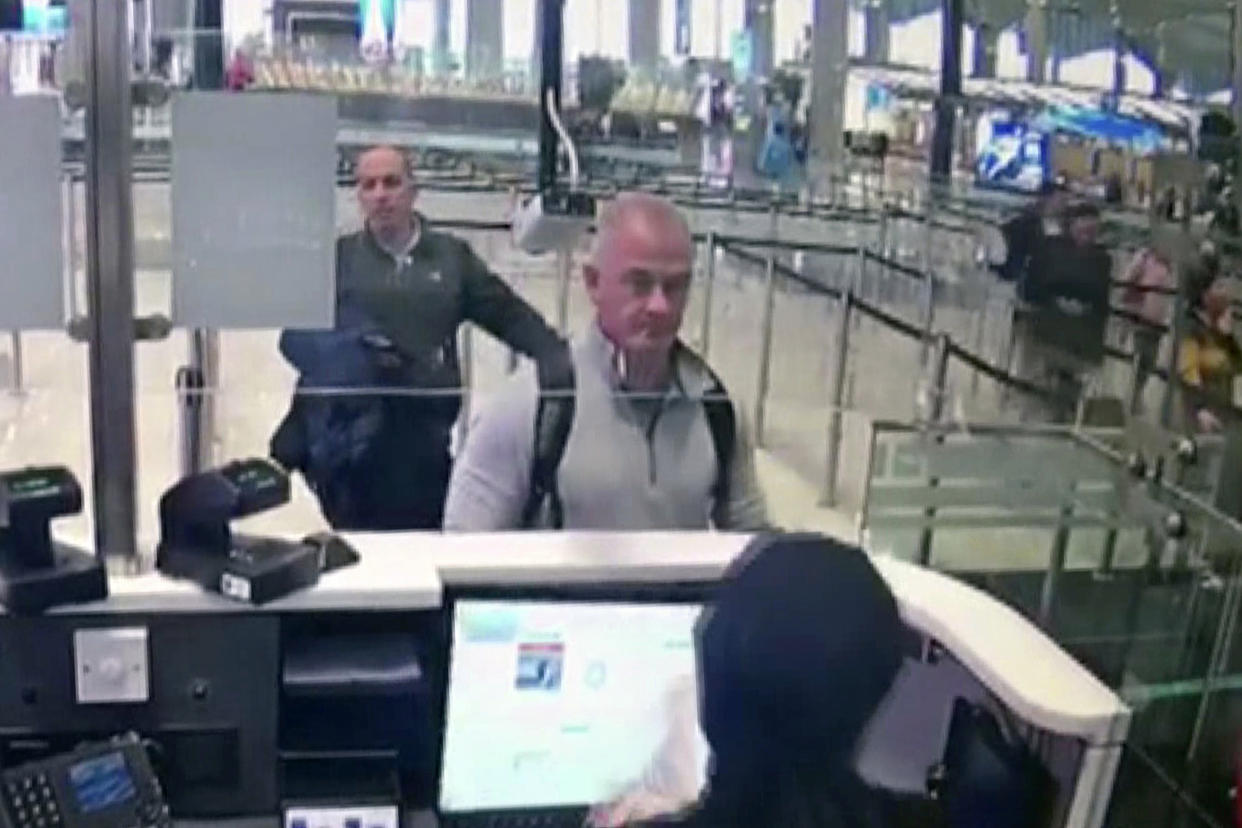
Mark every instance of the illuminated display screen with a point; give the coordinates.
(101, 782)
(563, 704)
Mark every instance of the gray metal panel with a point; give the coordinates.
(31, 220)
(209, 674)
(253, 210)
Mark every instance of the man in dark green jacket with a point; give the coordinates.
(415, 287)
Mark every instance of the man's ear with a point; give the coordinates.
(590, 277)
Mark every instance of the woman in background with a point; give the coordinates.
(1209, 358)
(1149, 283)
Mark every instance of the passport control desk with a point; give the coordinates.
(206, 677)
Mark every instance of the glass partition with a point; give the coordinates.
(1104, 538)
(44, 397)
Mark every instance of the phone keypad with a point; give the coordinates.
(32, 802)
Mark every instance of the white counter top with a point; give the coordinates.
(1024, 668)
(1021, 665)
(564, 557)
(392, 576)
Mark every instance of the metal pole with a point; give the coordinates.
(198, 383)
(860, 275)
(1235, 43)
(883, 251)
(941, 155)
(836, 414)
(467, 377)
(943, 352)
(929, 310)
(765, 350)
(551, 40)
(929, 289)
(979, 322)
(1177, 330)
(1056, 565)
(110, 278)
(1136, 377)
(71, 257)
(709, 276)
(563, 261)
(148, 13)
(19, 372)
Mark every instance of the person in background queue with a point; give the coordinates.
(1209, 358)
(635, 432)
(379, 459)
(1060, 332)
(1149, 283)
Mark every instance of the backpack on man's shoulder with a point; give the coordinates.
(554, 419)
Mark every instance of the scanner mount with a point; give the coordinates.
(36, 572)
(197, 542)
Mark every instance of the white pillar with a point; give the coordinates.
(1037, 41)
(830, 54)
(485, 42)
(760, 19)
(644, 46)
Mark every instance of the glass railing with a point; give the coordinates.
(1107, 540)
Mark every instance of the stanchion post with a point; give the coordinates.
(929, 290)
(197, 386)
(937, 394)
(883, 230)
(709, 286)
(467, 377)
(563, 259)
(1056, 565)
(1171, 386)
(71, 199)
(1136, 377)
(980, 330)
(836, 414)
(765, 350)
(19, 371)
(929, 311)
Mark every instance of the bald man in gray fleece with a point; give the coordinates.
(640, 453)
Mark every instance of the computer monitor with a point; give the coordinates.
(562, 704)
(11, 15)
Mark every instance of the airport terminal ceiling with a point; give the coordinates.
(1192, 34)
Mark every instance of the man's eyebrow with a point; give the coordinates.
(652, 274)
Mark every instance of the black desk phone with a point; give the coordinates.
(100, 785)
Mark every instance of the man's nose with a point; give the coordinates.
(658, 302)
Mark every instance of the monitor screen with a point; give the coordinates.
(1011, 155)
(11, 15)
(559, 704)
(101, 782)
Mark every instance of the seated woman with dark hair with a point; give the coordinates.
(801, 647)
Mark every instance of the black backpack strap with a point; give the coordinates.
(554, 417)
(722, 422)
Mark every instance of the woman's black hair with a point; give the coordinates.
(801, 647)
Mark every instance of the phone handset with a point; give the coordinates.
(107, 784)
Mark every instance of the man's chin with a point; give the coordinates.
(650, 346)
